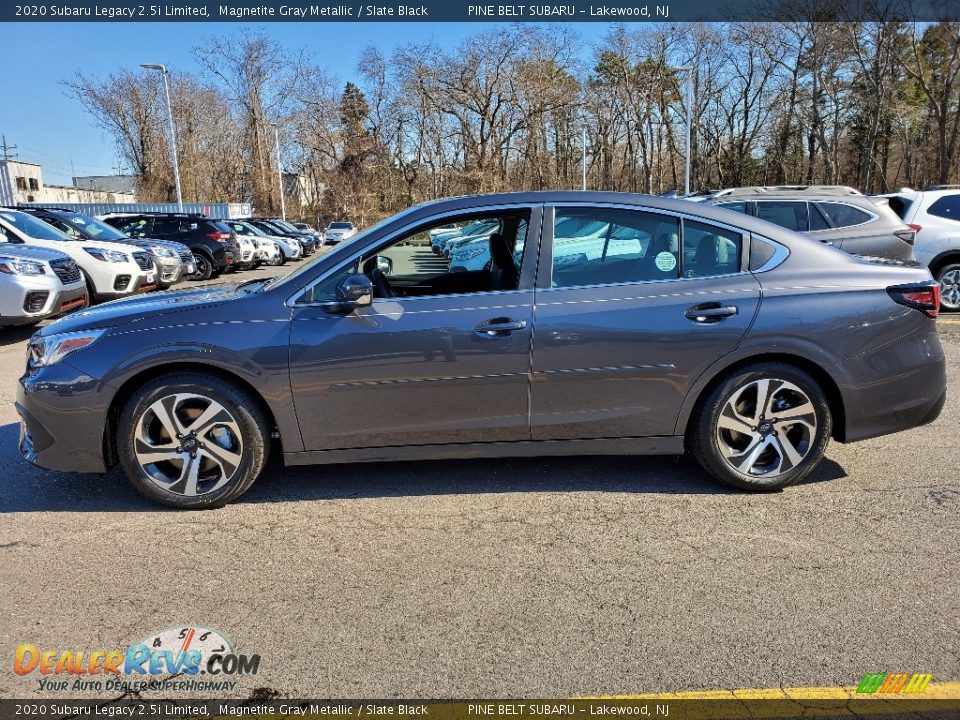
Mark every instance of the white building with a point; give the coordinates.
(22, 182)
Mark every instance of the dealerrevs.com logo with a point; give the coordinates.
(178, 658)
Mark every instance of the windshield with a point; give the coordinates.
(32, 227)
(94, 228)
(285, 225)
(242, 227)
(341, 226)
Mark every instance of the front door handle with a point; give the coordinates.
(499, 327)
(710, 312)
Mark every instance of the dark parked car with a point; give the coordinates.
(833, 214)
(678, 327)
(213, 244)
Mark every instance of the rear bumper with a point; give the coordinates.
(898, 386)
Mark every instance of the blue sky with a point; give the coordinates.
(51, 128)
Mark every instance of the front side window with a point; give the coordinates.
(600, 246)
(946, 207)
(484, 255)
(134, 228)
(790, 215)
(845, 215)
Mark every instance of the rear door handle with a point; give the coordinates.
(710, 312)
(499, 327)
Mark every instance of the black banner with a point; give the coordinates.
(261, 11)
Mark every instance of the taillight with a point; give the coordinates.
(925, 298)
(915, 227)
(908, 236)
(219, 236)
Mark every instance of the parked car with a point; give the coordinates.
(210, 241)
(274, 250)
(110, 270)
(37, 283)
(934, 214)
(338, 231)
(268, 251)
(308, 240)
(275, 231)
(834, 215)
(171, 260)
(248, 256)
(750, 358)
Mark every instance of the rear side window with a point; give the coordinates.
(845, 215)
(601, 246)
(791, 215)
(818, 221)
(946, 207)
(709, 250)
(740, 207)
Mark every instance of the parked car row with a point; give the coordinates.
(906, 225)
(54, 260)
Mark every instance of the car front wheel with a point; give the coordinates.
(192, 441)
(762, 428)
(949, 279)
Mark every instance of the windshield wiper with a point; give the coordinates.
(253, 282)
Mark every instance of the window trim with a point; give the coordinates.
(544, 280)
(528, 267)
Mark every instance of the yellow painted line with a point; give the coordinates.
(934, 691)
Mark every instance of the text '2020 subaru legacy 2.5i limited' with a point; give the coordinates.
(681, 327)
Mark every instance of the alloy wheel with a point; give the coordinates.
(766, 428)
(203, 267)
(950, 289)
(188, 444)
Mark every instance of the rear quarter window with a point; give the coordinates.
(845, 215)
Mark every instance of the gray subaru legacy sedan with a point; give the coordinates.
(598, 323)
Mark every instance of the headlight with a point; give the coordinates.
(51, 349)
(15, 266)
(162, 252)
(107, 255)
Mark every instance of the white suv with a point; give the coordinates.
(36, 283)
(935, 214)
(112, 270)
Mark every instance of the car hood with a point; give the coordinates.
(30, 252)
(131, 310)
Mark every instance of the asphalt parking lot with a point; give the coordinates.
(555, 577)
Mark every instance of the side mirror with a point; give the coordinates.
(384, 264)
(353, 292)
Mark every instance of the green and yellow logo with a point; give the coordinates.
(894, 683)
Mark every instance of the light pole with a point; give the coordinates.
(283, 205)
(173, 133)
(688, 101)
(583, 141)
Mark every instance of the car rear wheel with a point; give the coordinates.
(762, 428)
(204, 267)
(949, 279)
(192, 441)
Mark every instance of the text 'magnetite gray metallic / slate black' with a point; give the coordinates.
(594, 323)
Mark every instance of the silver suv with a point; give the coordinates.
(934, 214)
(833, 214)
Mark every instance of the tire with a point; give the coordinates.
(231, 447)
(759, 452)
(949, 278)
(91, 291)
(204, 266)
(277, 260)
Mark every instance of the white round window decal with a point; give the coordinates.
(665, 261)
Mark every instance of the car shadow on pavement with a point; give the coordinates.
(25, 488)
(16, 334)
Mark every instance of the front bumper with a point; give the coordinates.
(31, 298)
(171, 271)
(62, 415)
